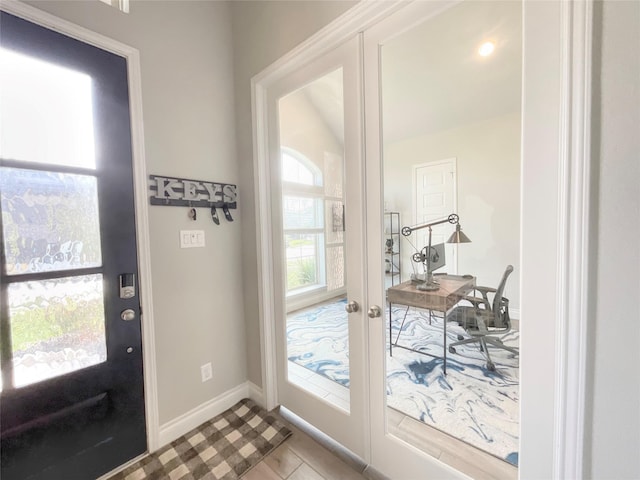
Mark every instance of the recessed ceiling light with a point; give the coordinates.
(486, 49)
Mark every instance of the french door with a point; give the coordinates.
(541, 134)
(316, 168)
(71, 350)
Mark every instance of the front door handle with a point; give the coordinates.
(374, 312)
(352, 307)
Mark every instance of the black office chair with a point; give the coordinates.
(485, 320)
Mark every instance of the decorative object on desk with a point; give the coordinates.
(427, 256)
(223, 448)
(477, 406)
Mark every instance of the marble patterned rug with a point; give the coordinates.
(470, 402)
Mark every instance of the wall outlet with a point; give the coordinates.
(206, 372)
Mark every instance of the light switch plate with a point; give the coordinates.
(192, 238)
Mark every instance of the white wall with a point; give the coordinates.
(613, 421)
(488, 171)
(187, 87)
(303, 129)
(262, 33)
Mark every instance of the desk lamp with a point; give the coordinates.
(424, 256)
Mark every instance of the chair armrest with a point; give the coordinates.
(484, 291)
(475, 301)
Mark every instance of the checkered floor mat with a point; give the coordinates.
(221, 449)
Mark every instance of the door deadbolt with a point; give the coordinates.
(127, 315)
(352, 307)
(374, 311)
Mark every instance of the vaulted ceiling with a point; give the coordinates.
(432, 76)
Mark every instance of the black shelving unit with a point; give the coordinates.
(392, 266)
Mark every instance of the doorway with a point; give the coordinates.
(543, 225)
(72, 380)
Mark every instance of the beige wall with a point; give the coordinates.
(488, 194)
(187, 88)
(262, 33)
(613, 397)
(302, 129)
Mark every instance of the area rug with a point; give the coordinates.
(471, 403)
(223, 448)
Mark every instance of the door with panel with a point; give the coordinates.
(435, 198)
(438, 412)
(316, 170)
(70, 341)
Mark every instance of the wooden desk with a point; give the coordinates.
(452, 289)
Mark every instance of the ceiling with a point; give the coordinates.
(433, 78)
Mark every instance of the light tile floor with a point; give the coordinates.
(302, 458)
(460, 455)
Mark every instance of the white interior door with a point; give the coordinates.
(434, 186)
(317, 236)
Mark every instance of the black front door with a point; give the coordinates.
(72, 400)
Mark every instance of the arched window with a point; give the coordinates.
(303, 221)
(298, 169)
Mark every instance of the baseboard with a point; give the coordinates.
(197, 416)
(255, 393)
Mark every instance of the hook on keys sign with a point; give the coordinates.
(181, 192)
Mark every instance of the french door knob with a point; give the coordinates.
(374, 312)
(352, 307)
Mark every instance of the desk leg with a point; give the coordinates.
(444, 319)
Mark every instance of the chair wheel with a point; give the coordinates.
(460, 337)
(452, 349)
(491, 366)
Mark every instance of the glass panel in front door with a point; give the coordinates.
(451, 90)
(313, 236)
(50, 219)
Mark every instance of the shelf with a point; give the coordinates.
(391, 228)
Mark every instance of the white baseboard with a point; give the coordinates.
(197, 416)
(255, 393)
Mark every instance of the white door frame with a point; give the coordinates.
(140, 190)
(555, 216)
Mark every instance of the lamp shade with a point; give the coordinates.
(458, 236)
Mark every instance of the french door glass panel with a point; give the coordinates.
(441, 99)
(311, 139)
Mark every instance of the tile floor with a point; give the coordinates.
(460, 455)
(302, 458)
